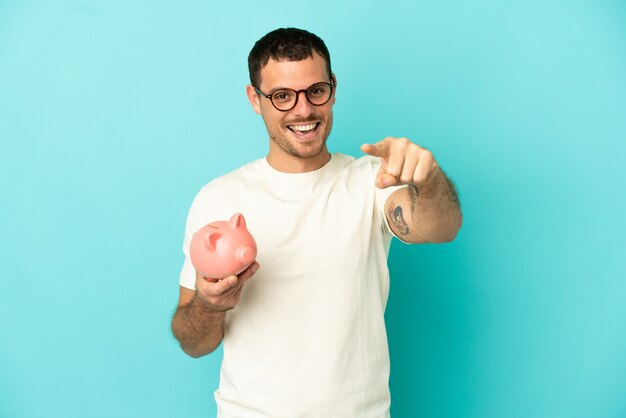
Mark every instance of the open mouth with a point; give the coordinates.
(304, 131)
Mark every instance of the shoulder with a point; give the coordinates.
(364, 165)
(225, 183)
(238, 175)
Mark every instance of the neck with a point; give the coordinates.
(292, 164)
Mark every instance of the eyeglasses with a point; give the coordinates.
(286, 99)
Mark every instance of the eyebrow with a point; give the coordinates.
(289, 88)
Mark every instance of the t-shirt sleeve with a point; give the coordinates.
(195, 218)
(381, 196)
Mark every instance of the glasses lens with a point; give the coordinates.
(284, 99)
(319, 93)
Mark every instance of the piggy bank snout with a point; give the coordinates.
(246, 254)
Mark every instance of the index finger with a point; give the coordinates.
(379, 149)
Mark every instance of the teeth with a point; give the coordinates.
(302, 127)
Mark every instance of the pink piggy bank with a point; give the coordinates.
(221, 249)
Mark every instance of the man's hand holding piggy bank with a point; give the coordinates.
(223, 254)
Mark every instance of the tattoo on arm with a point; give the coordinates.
(396, 217)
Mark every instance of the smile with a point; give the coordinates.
(303, 129)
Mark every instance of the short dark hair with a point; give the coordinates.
(284, 44)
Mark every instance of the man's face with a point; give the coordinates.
(301, 132)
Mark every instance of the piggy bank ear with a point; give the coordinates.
(211, 240)
(237, 221)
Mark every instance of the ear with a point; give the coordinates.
(254, 99)
(334, 79)
(211, 240)
(237, 221)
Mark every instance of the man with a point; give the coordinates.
(306, 337)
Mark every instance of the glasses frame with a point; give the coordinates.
(306, 91)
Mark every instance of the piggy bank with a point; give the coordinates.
(221, 249)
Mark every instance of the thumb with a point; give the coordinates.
(384, 180)
(379, 149)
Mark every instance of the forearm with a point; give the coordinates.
(433, 212)
(198, 329)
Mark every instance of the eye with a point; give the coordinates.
(282, 96)
(318, 90)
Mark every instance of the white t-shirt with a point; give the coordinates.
(307, 338)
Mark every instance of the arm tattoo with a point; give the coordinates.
(396, 217)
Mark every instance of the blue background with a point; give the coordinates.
(114, 113)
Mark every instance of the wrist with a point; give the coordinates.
(206, 308)
(428, 190)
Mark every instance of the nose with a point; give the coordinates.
(303, 107)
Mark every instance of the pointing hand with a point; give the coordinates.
(403, 162)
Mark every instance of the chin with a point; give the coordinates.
(304, 148)
(300, 151)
